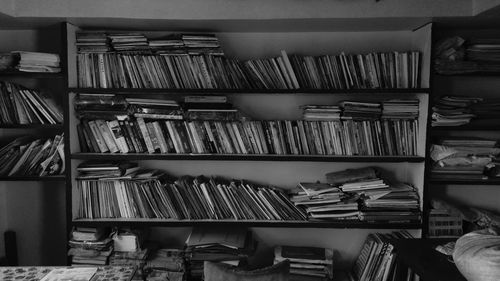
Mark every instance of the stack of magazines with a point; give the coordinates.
(26, 156)
(453, 111)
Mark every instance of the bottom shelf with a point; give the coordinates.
(243, 223)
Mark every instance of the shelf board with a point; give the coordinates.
(31, 126)
(33, 178)
(246, 157)
(248, 91)
(21, 74)
(466, 181)
(478, 125)
(245, 223)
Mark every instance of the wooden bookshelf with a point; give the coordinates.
(243, 223)
(247, 157)
(31, 126)
(283, 171)
(33, 178)
(489, 181)
(32, 75)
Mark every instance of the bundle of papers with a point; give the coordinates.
(321, 112)
(400, 109)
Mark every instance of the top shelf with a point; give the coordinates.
(249, 91)
(33, 75)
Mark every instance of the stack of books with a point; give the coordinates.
(19, 105)
(306, 263)
(27, 157)
(129, 250)
(398, 202)
(93, 170)
(128, 42)
(463, 158)
(155, 108)
(168, 45)
(321, 112)
(360, 110)
(166, 264)
(325, 201)
(210, 108)
(149, 194)
(92, 42)
(38, 62)
(89, 246)
(232, 246)
(377, 259)
(197, 44)
(400, 109)
(453, 111)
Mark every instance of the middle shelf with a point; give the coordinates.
(246, 157)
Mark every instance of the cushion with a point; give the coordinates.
(224, 272)
(477, 255)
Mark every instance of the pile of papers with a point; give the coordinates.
(453, 111)
(38, 62)
(400, 109)
(321, 112)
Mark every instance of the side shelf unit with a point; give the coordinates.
(486, 191)
(284, 171)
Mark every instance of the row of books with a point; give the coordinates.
(107, 190)
(345, 71)
(290, 137)
(359, 194)
(465, 158)
(26, 156)
(20, 105)
(377, 259)
(102, 42)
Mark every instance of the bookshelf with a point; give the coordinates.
(482, 193)
(277, 170)
(31, 205)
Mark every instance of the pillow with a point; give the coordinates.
(477, 255)
(224, 272)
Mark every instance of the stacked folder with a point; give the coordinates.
(306, 263)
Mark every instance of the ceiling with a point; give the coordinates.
(252, 15)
